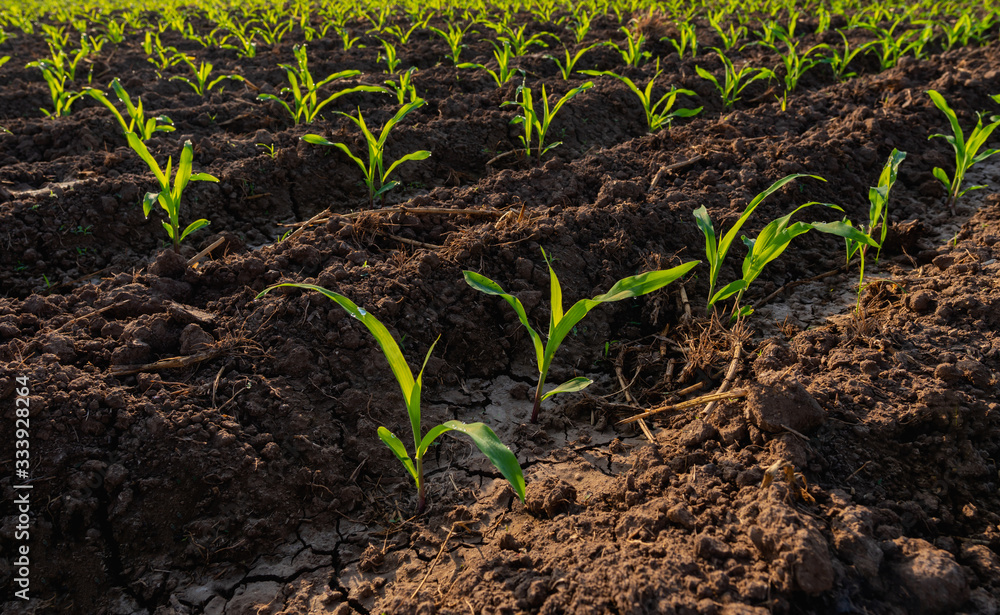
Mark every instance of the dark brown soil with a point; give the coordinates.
(858, 475)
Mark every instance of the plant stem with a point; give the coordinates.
(538, 399)
(421, 492)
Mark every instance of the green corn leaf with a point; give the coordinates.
(385, 341)
(140, 148)
(316, 140)
(418, 155)
(959, 140)
(633, 286)
(572, 385)
(489, 287)
(194, 226)
(487, 442)
(845, 230)
(728, 291)
(940, 174)
(396, 446)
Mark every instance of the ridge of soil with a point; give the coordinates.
(858, 474)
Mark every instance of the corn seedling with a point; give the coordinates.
(658, 114)
(403, 88)
(503, 56)
(376, 175)
(730, 36)
(878, 215)
(389, 56)
(772, 242)
(169, 197)
(115, 31)
(454, 37)
(519, 42)
(536, 125)
(580, 25)
(272, 33)
(56, 77)
(733, 81)
(796, 65)
(159, 56)
(890, 48)
(201, 84)
(403, 36)
(561, 324)
(716, 249)
(347, 41)
(769, 244)
(137, 124)
(631, 52)
(841, 58)
(305, 90)
(966, 150)
(483, 437)
(566, 67)
(687, 39)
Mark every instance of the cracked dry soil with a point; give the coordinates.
(246, 477)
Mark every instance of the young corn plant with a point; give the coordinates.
(659, 114)
(169, 197)
(841, 58)
(389, 56)
(631, 51)
(306, 104)
(519, 42)
(454, 37)
(772, 241)
(733, 81)
(878, 215)
(566, 67)
(536, 125)
(966, 149)
(376, 175)
(730, 36)
(56, 77)
(687, 40)
(769, 244)
(201, 84)
(796, 64)
(505, 70)
(403, 88)
(580, 25)
(561, 324)
(138, 124)
(483, 437)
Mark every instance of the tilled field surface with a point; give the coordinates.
(197, 450)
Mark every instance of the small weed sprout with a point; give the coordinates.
(169, 197)
(966, 150)
(561, 324)
(483, 437)
(376, 175)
